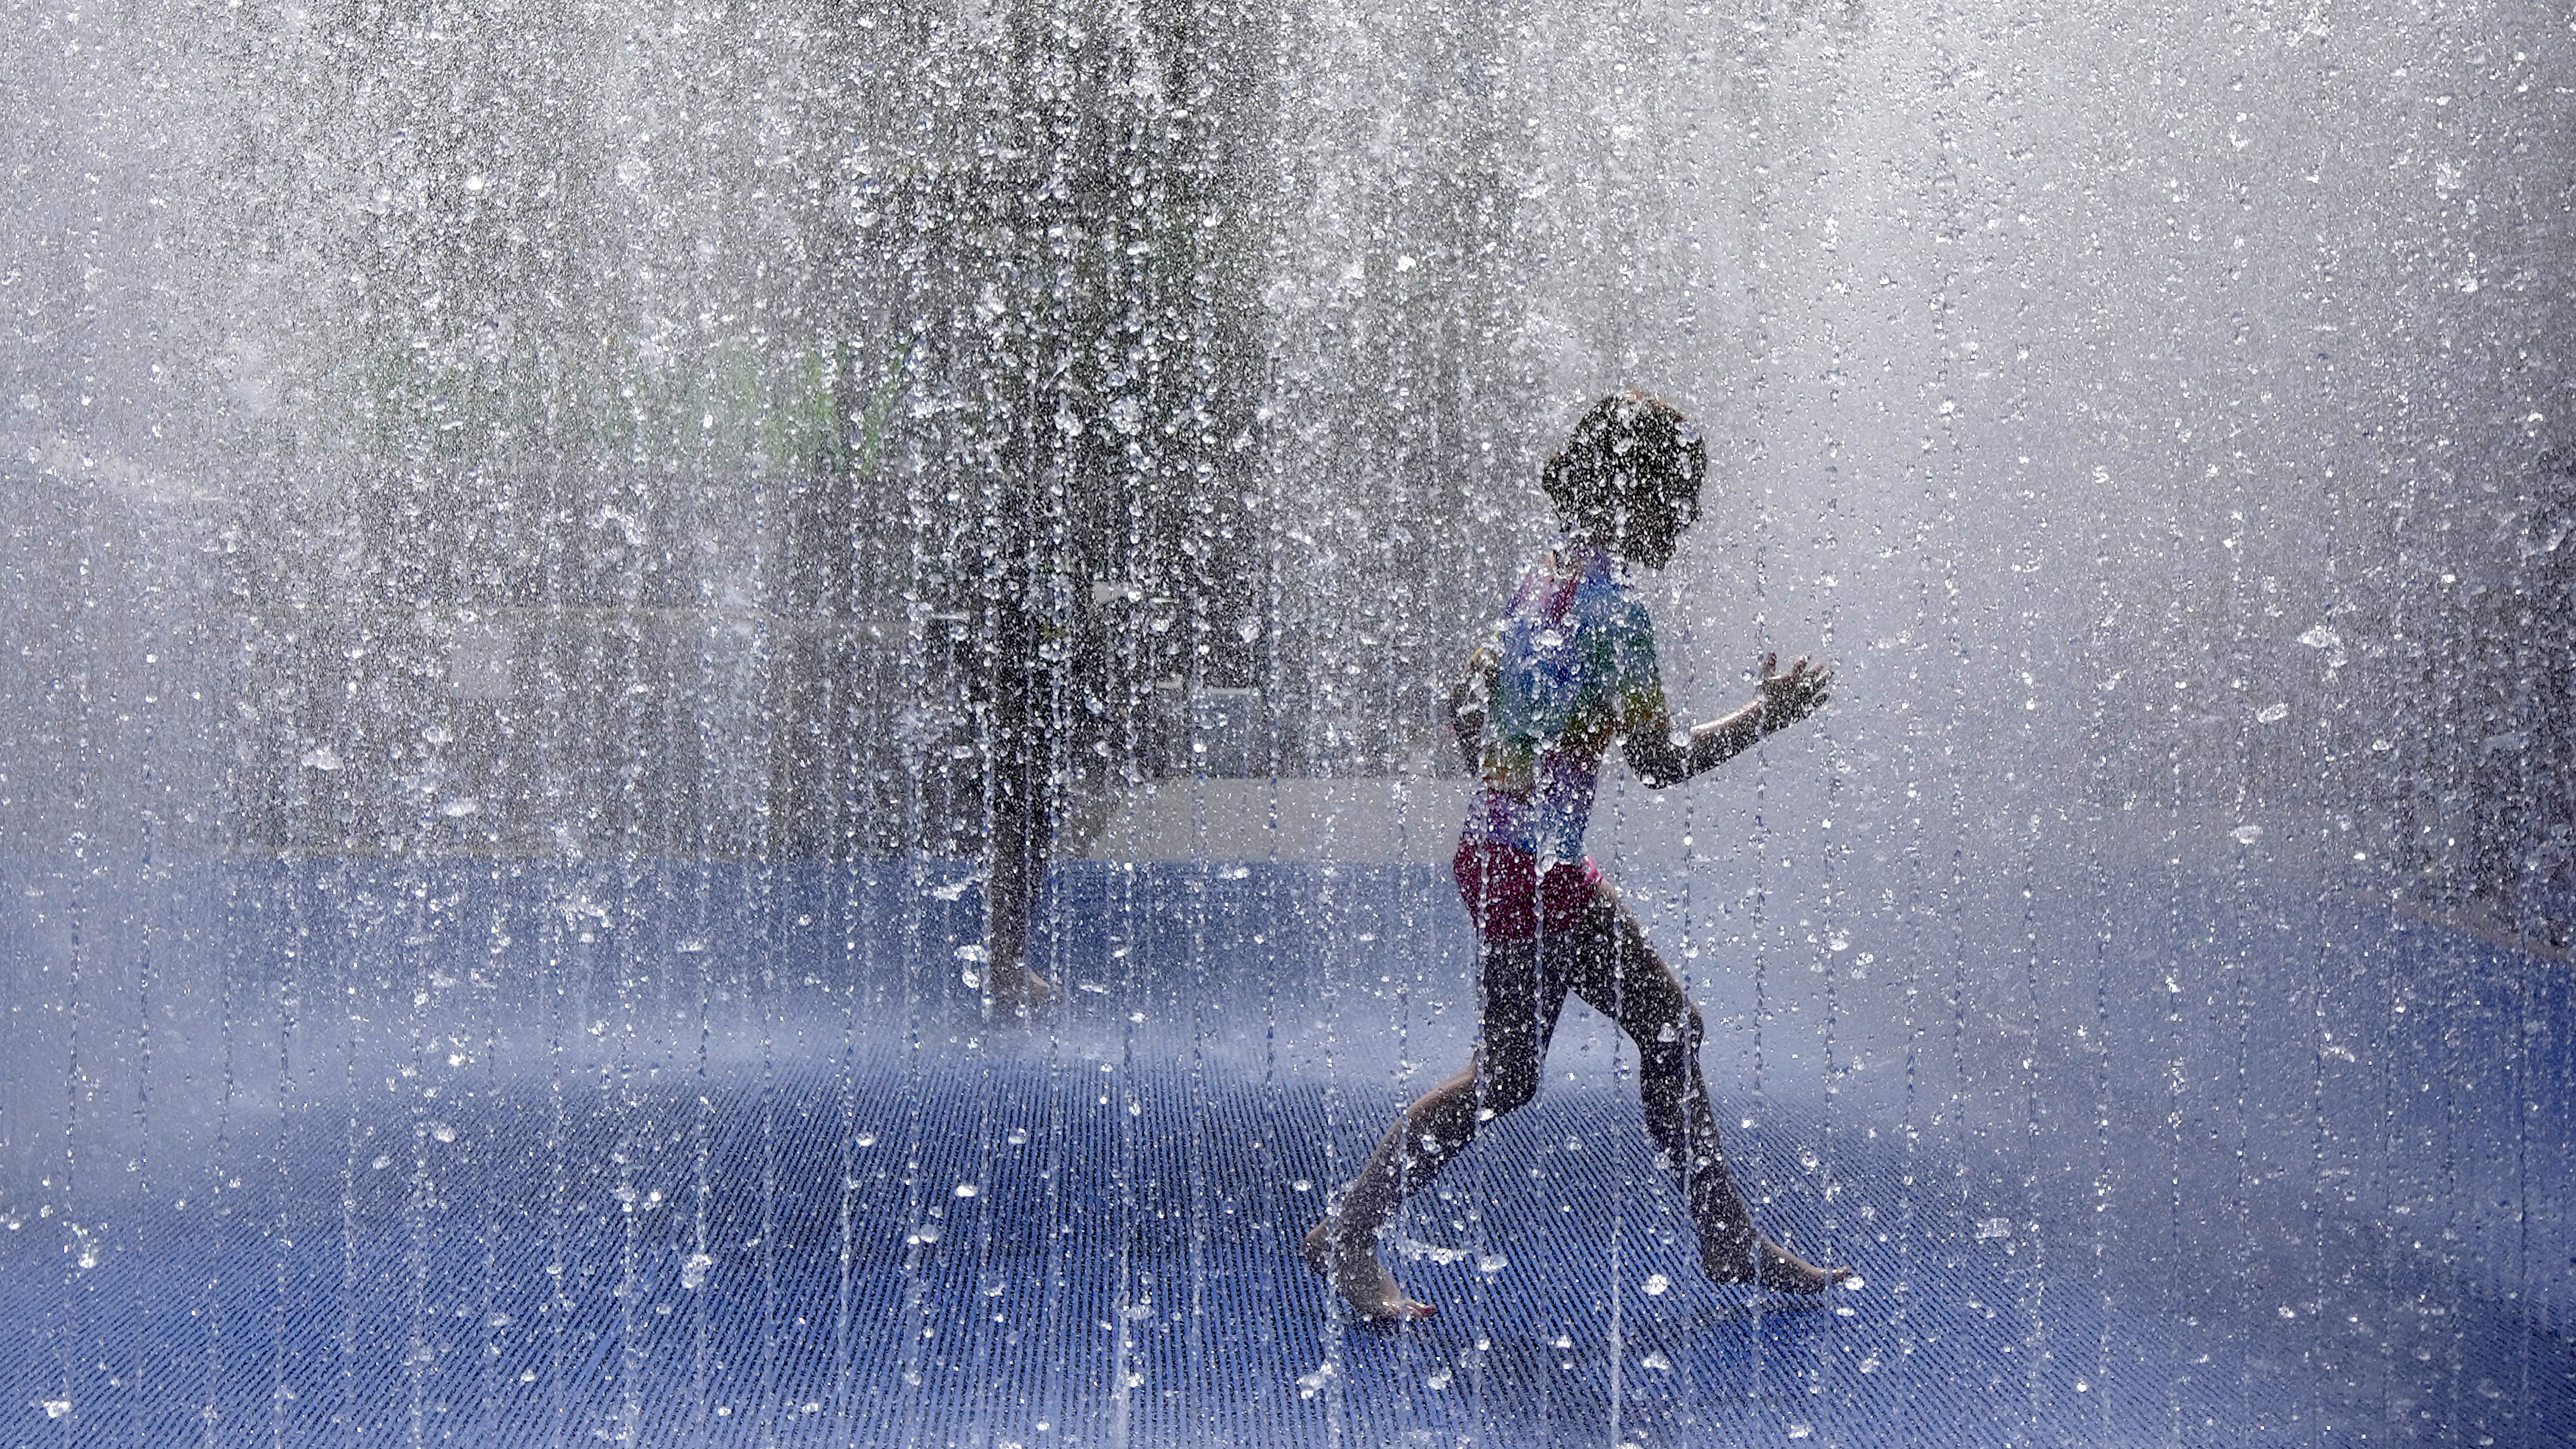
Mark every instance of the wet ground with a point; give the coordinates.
(745, 1166)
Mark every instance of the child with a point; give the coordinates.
(1570, 668)
(1042, 692)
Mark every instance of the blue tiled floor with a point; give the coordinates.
(690, 1205)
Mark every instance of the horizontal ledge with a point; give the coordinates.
(1364, 821)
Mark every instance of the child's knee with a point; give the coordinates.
(1669, 1048)
(1681, 1032)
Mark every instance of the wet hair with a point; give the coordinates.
(1629, 452)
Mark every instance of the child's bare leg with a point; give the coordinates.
(1626, 980)
(1435, 1128)
(1343, 1247)
(1013, 857)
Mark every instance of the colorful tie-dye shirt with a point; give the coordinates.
(1574, 669)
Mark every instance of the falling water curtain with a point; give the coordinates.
(513, 516)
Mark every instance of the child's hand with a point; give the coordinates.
(1791, 697)
(1468, 699)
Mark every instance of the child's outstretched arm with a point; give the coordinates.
(1782, 700)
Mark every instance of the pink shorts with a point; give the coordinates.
(1511, 899)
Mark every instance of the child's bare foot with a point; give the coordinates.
(1019, 991)
(1786, 1272)
(1355, 1273)
(1775, 1267)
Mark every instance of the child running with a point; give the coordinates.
(1570, 668)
